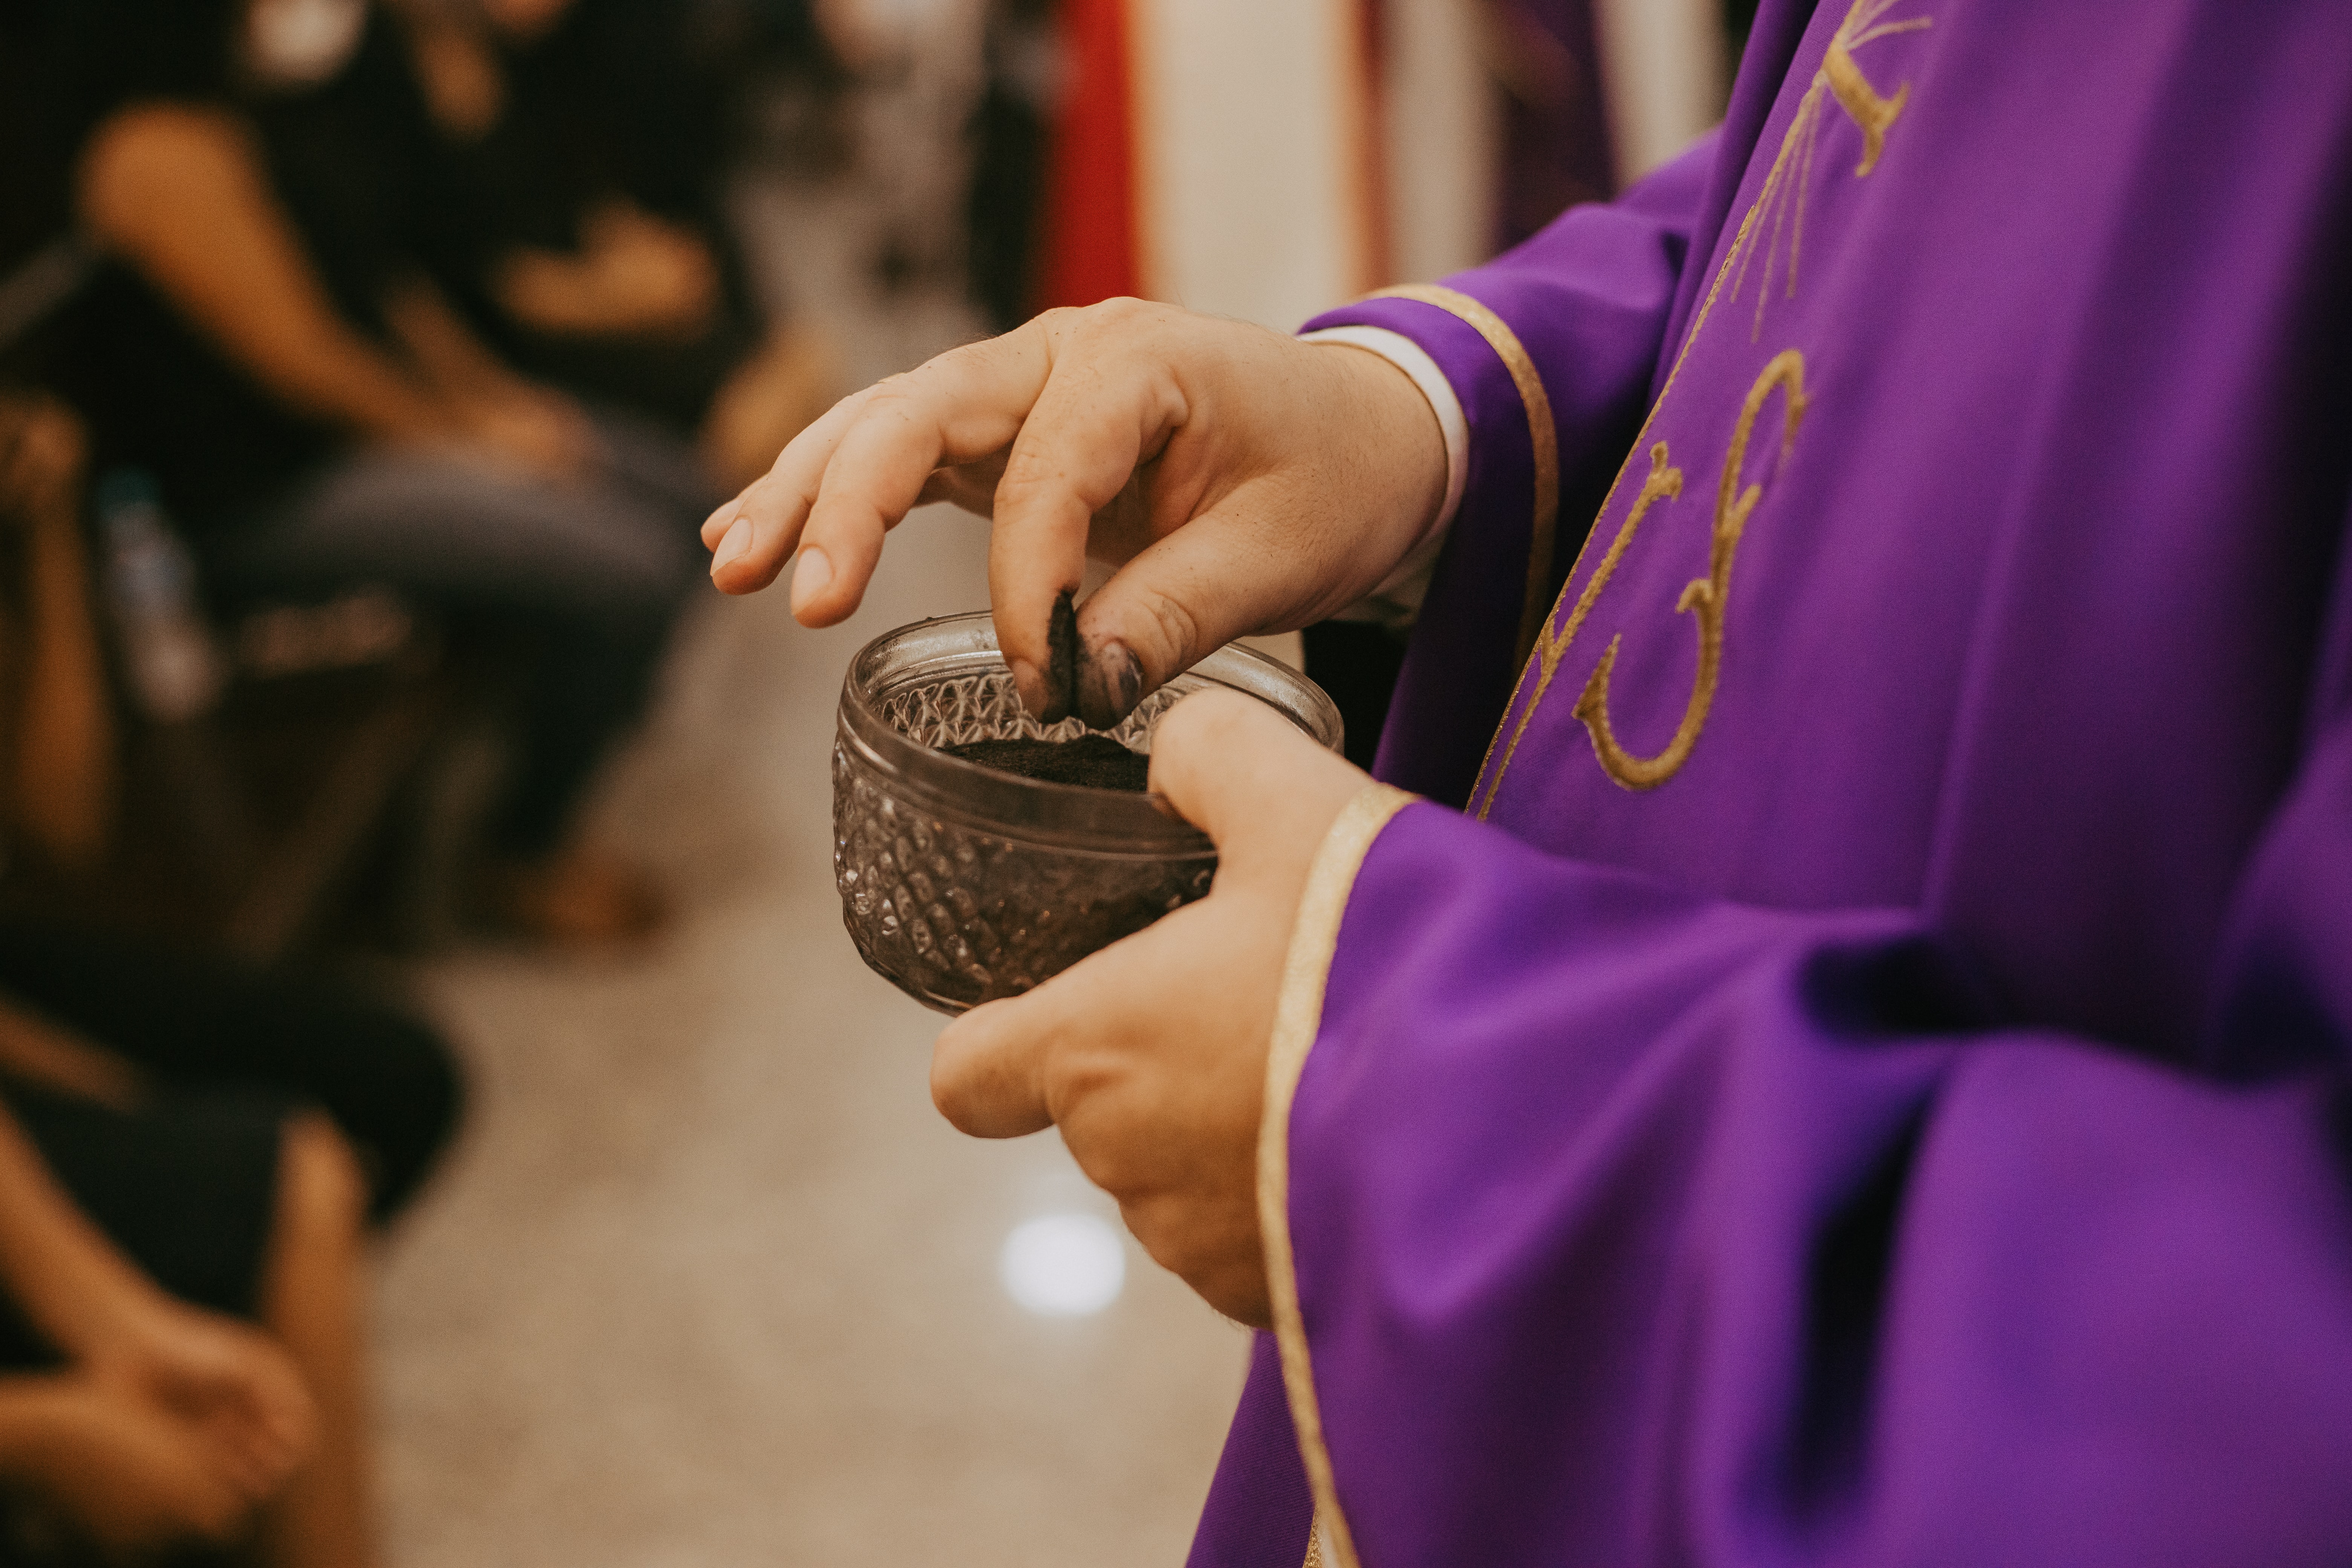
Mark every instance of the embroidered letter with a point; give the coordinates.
(1776, 214)
(1664, 482)
(1704, 598)
(1854, 94)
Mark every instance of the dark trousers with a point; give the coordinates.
(586, 576)
(219, 1035)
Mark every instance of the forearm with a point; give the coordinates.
(357, 387)
(179, 195)
(60, 790)
(457, 363)
(70, 1281)
(37, 1051)
(65, 764)
(28, 1411)
(1549, 352)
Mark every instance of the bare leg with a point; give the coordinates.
(63, 790)
(310, 1301)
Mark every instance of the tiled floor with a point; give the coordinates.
(707, 1281)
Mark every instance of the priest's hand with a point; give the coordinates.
(1242, 481)
(1151, 1055)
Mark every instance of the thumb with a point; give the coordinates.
(1181, 599)
(988, 1070)
(1263, 790)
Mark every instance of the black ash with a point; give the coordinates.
(1097, 762)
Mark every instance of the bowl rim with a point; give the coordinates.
(1071, 817)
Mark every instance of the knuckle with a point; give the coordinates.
(1088, 327)
(1028, 468)
(1125, 311)
(893, 395)
(1168, 626)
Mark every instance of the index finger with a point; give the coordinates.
(753, 534)
(954, 409)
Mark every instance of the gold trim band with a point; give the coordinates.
(1543, 438)
(1298, 1018)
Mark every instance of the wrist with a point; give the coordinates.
(103, 1321)
(1395, 434)
(1437, 395)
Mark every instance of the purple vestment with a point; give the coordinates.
(1857, 1072)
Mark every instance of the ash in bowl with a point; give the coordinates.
(964, 874)
(1090, 761)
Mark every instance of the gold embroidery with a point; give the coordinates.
(1543, 439)
(1665, 483)
(1789, 182)
(1297, 1018)
(1784, 185)
(1860, 100)
(1314, 1543)
(1704, 598)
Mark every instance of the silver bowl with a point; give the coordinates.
(960, 884)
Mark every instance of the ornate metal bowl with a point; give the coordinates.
(960, 884)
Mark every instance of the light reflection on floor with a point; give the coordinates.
(1063, 1265)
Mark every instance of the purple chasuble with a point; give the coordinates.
(1857, 1070)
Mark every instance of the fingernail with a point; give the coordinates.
(1061, 661)
(1111, 683)
(732, 543)
(810, 575)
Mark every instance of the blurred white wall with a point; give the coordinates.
(1247, 116)
(1663, 75)
(1440, 139)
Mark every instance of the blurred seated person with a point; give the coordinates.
(188, 1157)
(317, 417)
(586, 142)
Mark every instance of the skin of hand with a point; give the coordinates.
(130, 1475)
(1150, 1056)
(182, 196)
(531, 427)
(230, 1384)
(222, 1377)
(63, 790)
(634, 275)
(1242, 481)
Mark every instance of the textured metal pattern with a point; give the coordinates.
(966, 708)
(955, 915)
